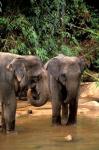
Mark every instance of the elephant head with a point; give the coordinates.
(28, 72)
(39, 90)
(67, 72)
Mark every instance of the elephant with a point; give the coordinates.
(16, 73)
(64, 81)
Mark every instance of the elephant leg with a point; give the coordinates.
(3, 124)
(56, 117)
(56, 103)
(9, 114)
(72, 113)
(64, 113)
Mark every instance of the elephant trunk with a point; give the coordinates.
(36, 102)
(72, 93)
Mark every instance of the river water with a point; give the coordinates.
(36, 133)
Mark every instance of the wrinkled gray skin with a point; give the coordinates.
(16, 73)
(64, 80)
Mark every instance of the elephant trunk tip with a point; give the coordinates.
(37, 102)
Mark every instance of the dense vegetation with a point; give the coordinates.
(49, 27)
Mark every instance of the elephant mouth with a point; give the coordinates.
(64, 93)
(34, 93)
(22, 94)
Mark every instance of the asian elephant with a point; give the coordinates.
(16, 73)
(64, 81)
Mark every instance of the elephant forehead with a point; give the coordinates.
(71, 60)
(74, 67)
(35, 71)
(70, 67)
(68, 60)
(33, 60)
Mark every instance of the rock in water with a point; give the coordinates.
(68, 138)
(29, 111)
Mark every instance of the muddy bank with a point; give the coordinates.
(89, 91)
(23, 108)
(90, 109)
(89, 100)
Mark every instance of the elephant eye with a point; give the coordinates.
(36, 78)
(63, 76)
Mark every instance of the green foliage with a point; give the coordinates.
(66, 50)
(3, 21)
(46, 28)
(20, 34)
(42, 54)
(96, 63)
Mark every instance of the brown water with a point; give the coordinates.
(38, 134)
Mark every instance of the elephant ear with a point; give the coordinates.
(53, 67)
(82, 63)
(18, 67)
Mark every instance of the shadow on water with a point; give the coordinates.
(38, 134)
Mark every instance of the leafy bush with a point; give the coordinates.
(46, 28)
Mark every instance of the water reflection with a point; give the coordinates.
(38, 134)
